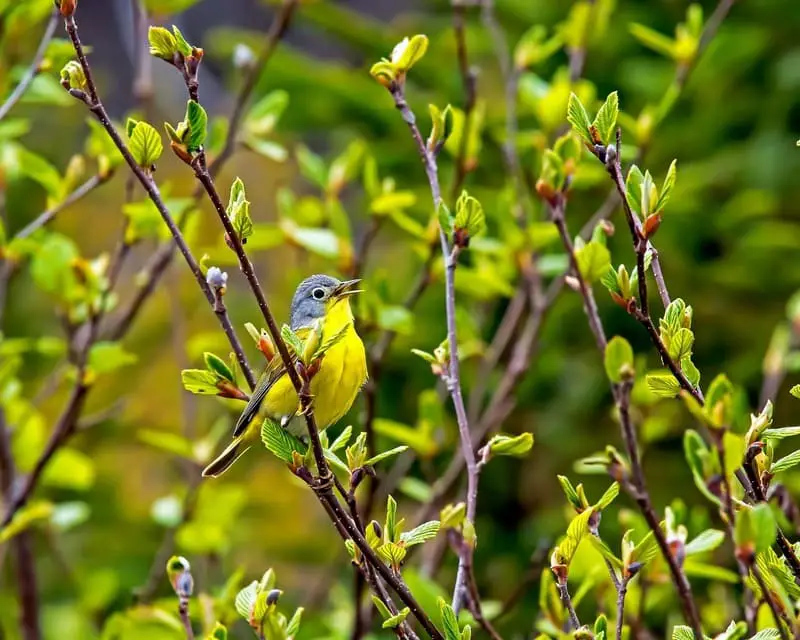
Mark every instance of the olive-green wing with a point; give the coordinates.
(274, 370)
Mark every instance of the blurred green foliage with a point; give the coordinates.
(324, 155)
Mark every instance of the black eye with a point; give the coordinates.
(318, 293)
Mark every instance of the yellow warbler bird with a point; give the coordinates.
(325, 302)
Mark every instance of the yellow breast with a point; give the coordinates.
(335, 386)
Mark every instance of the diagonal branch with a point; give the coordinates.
(33, 69)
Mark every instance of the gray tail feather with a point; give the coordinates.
(223, 462)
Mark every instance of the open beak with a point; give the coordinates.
(346, 288)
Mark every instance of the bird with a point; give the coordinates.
(323, 301)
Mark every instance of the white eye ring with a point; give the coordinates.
(318, 293)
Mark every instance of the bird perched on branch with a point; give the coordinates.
(320, 304)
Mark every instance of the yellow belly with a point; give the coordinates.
(334, 387)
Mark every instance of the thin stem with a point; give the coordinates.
(566, 600)
(453, 379)
(33, 68)
(621, 392)
(44, 218)
(469, 80)
(621, 593)
(183, 613)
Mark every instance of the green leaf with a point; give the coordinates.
(390, 525)
(322, 242)
(680, 344)
(517, 446)
(608, 497)
(691, 372)
(218, 366)
(219, 632)
(24, 518)
(197, 121)
(663, 385)
(795, 391)
(569, 491)
(199, 381)
(706, 541)
(780, 434)
(265, 113)
(312, 166)
(667, 187)
(382, 608)
(183, 47)
(384, 455)
(70, 469)
(681, 632)
(239, 211)
(770, 633)
(593, 260)
(343, 439)
(449, 621)
(292, 340)
(756, 528)
(424, 532)
(578, 118)
(392, 553)
(162, 43)
(633, 188)
(618, 359)
(787, 462)
(246, 600)
(446, 219)
(293, 626)
(469, 215)
(606, 120)
(35, 167)
(408, 52)
(395, 621)
(279, 441)
(646, 550)
(105, 357)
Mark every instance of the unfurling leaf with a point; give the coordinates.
(162, 43)
(593, 260)
(578, 118)
(517, 446)
(197, 123)
(469, 217)
(144, 143)
(755, 530)
(618, 359)
(424, 532)
(606, 120)
(663, 385)
(239, 211)
(408, 52)
(280, 442)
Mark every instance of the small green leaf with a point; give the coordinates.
(680, 344)
(408, 52)
(384, 455)
(24, 518)
(183, 47)
(682, 632)
(618, 359)
(606, 120)
(667, 187)
(449, 621)
(197, 121)
(424, 532)
(106, 357)
(162, 43)
(391, 519)
(708, 540)
(608, 497)
(218, 366)
(780, 434)
(469, 215)
(292, 340)
(219, 632)
(279, 441)
(343, 439)
(199, 381)
(654, 40)
(663, 385)
(396, 621)
(517, 446)
(578, 118)
(293, 626)
(239, 211)
(795, 391)
(569, 491)
(312, 166)
(755, 528)
(382, 608)
(593, 260)
(785, 463)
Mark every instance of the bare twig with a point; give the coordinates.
(621, 593)
(453, 379)
(566, 600)
(33, 68)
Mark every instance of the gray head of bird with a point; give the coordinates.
(315, 296)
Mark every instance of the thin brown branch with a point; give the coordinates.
(563, 592)
(453, 378)
(622, 592)
(33, 68)
(621, 392)
(469, 80)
